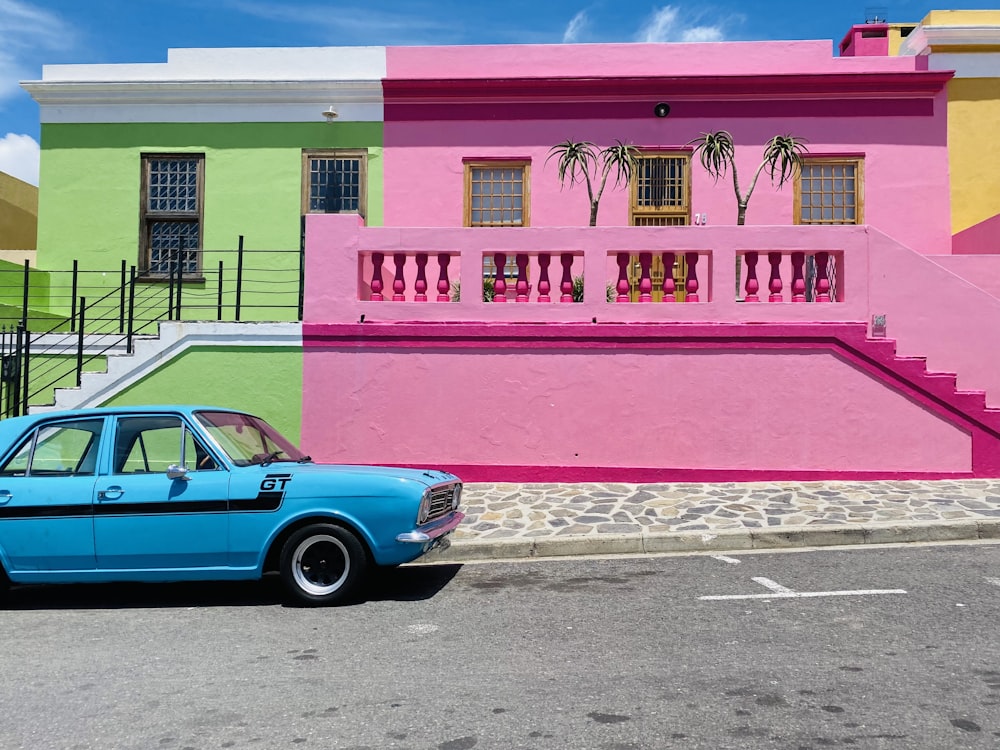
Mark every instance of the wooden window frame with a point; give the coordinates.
(859, 189)
(336, 153)
(147, 217)
(523, 164)
(683, 212)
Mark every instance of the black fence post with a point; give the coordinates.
(302, 281)
(121, 302)
(24, 301)
(239, 278)
(170, 293)
(72, 294)
(180, 275)
(7, 362)
(219, 302)
(131, 310)
(79, 342)
(25, 361)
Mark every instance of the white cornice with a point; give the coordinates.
(923, 39)
(205, 101)
(201, 92)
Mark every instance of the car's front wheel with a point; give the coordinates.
(322, 564)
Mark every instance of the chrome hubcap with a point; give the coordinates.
(320, 564)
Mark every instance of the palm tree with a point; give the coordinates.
(581, 162)
(717, 153)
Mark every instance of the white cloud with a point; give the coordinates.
(576, 25)
(28, 33)
(361, 24)
(19, 157)
(667, 24)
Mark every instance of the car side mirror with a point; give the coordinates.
(177, 472)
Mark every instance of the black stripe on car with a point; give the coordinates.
(263, 502)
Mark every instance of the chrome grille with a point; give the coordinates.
(440, 501)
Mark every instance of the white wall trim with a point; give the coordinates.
(967, 64)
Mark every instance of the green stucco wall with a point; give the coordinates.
(266, 381)
(90, 178)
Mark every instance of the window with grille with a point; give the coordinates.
(661, 190)
(830, 191)
(496, 194)
(171, 213)
(334, 182)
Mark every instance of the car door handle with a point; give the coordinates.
(111, 493)
(5, 497)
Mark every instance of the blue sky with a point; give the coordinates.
(38, 32)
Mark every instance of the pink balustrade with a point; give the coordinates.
(605, 274)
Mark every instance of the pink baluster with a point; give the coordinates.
(822, 280)
(399, 283)
(798, 280)
(499, 285)
(444, 286)
(669, 286)
(774, 285)
(522, 278)
(692, 280)
(420, 285)
(622, 285)
(645, 282)
(566, 284)
(377, 284)
(543, 278)
(752, 285)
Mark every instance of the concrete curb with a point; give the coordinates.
(729, 540)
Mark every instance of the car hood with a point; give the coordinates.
(426, 477)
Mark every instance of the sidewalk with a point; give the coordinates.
(506, 521)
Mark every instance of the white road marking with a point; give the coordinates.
(723, 558)
(994, 581)
(783, 592)
(776, 587)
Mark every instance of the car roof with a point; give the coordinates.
(13, 427)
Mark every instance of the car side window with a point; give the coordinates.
(61, 449)
(149, 445)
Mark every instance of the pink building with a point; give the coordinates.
(760, 354)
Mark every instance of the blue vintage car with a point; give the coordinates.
(171, 493)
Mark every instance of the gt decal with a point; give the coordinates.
(275, 482)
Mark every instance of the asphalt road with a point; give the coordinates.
(620, 654)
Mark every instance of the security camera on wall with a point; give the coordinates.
(662, 109)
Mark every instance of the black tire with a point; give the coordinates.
(322, 564)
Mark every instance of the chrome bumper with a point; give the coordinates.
(433, 531)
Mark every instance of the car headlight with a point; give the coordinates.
(425, 507)
(456, 497)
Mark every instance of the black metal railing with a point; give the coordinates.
(42, 351)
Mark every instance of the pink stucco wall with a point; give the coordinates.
(901, 133)
(981, 270)
(745, 387)
(797, 410)
(934, 313)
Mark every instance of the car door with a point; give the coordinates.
(46, 497)
(164, 506)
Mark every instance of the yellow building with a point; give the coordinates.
(968, 42)
(18, 215)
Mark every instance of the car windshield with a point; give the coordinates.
(249, 440)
